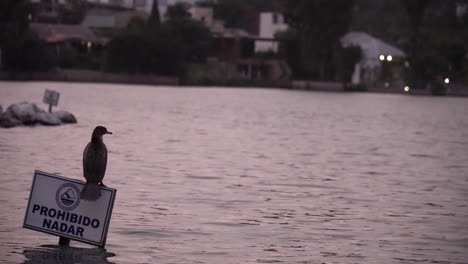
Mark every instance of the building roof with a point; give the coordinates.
(371, 47)
(99, 21)
(105, 18)
(55, 33)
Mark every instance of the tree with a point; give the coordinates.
(178, 11)
(140, 53)
(319, 25)
(231, 12)
(193, 35)
(415, 10)
(436, 46)
(21, 49)
(14, 19)
(154, 18)
(73, 12)
(382, 19)
(163, 49)
(345, 60)
(27, 54)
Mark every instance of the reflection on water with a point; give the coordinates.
(51, 254)
(250, 175)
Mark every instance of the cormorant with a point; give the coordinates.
(94, 164)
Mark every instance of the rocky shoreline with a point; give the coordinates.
(29, 114)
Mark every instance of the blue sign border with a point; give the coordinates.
(102, 243)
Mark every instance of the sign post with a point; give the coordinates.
(55, 208)
(51, 98)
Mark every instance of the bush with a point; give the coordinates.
(159, 49)
(144, 53)
(27, 54)
(345, 60)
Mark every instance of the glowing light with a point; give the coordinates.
(389, 58)
(382, 57)
(447, 80)
(387, 84)
(407, 88)
(89, 44)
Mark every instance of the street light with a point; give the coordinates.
(382, 57)
(389, 58)
(89, 45)
(447, 80)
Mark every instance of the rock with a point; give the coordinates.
(7, 121)
(65, 117)
(24, 112)
(48, 119)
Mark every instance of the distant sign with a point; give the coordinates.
(55, 208)
(51, 97)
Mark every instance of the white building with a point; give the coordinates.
(270, 23)
(375, 52)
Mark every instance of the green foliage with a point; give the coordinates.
(194, 37)
(21, 49)
(291, 50)
(165, 49)
(73, 12)
(136, 53)
(316, 46)
(14, 20)
(345, 60)
(70, 57)
(381, 18)
(138, 24)
(231, 12)
(27, 54)
(154, 18)
(162, 50)
(178, 11)
(436, 42)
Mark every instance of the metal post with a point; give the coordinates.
(64, 242)
(50, 108)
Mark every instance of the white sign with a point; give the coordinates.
(55, 208)
(51, 97)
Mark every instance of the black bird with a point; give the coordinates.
(94, 164)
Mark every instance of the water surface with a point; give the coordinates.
(217, 175)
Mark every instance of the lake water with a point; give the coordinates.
(217, 175)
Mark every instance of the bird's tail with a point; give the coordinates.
(90, 192)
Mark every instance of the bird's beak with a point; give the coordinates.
(108, 132)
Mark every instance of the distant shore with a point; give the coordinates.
(88, 76)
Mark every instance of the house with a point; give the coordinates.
(61, 33)
(381, 61)
(270, 23)
(108, 19)
(236, 46)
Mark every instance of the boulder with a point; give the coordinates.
(65, 117)
(48, 119)
(7, 121)
(24, 112)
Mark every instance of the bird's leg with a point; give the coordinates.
(102, 184)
